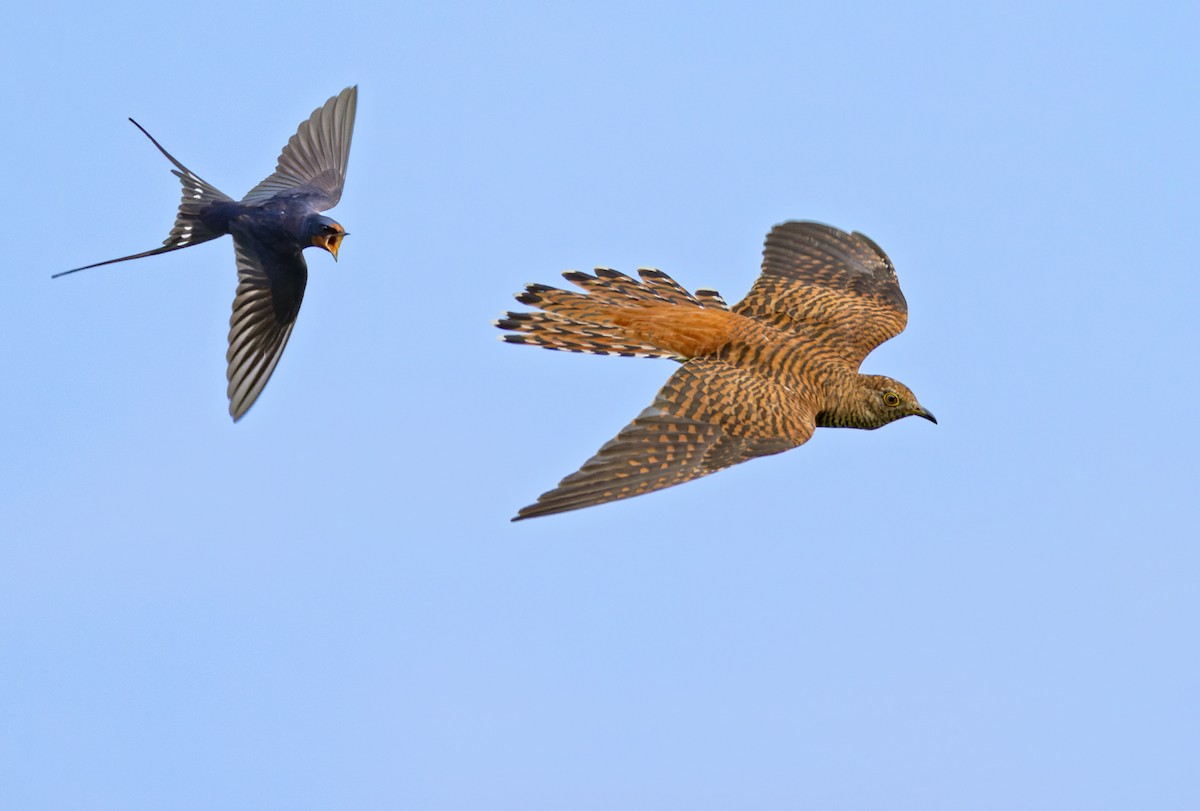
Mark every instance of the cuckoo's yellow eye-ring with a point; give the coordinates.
(891, 399)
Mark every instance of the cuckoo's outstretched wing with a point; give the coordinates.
(270, 289)
(708, 416)
(313, 164)
(837, 287)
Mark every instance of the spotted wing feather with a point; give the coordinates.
(709, 415)
(839, 288)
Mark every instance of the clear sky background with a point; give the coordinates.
(325, 605)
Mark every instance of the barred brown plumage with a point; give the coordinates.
(756, 378)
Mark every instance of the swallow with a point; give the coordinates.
(271, 226)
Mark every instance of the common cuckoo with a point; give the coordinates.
(757, 378)
(271, 227)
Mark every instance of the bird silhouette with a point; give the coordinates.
(757, 378)
(271, 226)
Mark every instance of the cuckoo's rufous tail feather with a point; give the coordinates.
(653, 317)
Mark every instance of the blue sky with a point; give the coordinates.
(325, 605)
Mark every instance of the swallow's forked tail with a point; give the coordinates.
(619, 315)
(190, 226)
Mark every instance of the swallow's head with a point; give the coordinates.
(327, 234)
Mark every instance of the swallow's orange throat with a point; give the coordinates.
(329, 239)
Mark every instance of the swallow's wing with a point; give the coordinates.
(708, 416)
(270, 289)
(313, 164)
(838, 287)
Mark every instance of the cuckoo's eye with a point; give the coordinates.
(891, 399)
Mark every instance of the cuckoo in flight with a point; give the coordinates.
(756, 378)
(271, 226)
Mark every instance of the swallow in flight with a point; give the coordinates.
(271, 226)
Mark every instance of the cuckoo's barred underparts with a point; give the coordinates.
(271, 226)
(757, 378)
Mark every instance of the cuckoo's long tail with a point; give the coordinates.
(191, 225)
(653, 317)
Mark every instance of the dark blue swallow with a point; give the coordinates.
(271, 226)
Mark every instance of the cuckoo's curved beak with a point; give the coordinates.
(927, 414)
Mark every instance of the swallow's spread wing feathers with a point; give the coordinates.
(314, 161)
(270, 289)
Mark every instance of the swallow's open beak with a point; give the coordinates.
(330, 240)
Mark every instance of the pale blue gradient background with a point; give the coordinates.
(325, 606)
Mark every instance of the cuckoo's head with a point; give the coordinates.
(325, 233)
(883, 400)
